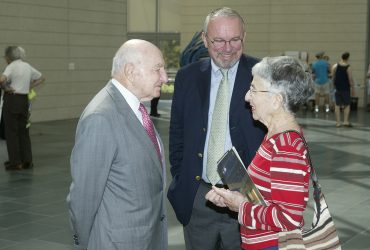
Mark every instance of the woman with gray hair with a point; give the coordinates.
(280, 168)
(17, 80)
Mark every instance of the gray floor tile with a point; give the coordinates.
(18, 218)
(38, 245)
(33, 212)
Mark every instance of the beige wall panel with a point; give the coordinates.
(46, 51)
(96, 39)
(61, 101)
(50, 64)
(169, 15)
(78, 88)
(102, 6)
(319, 28)
(13, 8)
(92, 63)
(113, 17)
(61, 88)
(95, 28)
(58, 34)
(89, 75)
(44, 25)
(315, 18)
(93, 52)
(30, 37)
(50, 3)
(142, 16)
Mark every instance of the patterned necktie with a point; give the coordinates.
(216, 144)
(148, 125)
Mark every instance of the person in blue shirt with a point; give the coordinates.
(320, 72)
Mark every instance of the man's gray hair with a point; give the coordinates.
(14, 53)
(222, 12)
(123, 56)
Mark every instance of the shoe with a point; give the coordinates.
(327, 109)
(6, 163)
(316, 109)
(348, 125)
(338, 125)
(27, 165)
(16, 167)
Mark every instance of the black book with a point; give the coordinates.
(234, 174)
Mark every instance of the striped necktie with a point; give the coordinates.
(149, 127)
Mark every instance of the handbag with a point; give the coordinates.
(322, 234)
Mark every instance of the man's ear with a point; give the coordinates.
(204, 38)
(129, 71)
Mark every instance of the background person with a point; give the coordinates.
(280, 168)
(368, 86)
(117, 195)
(344, 89)
(16, 80)
(154, 107)
(320, 72)
(193, 117)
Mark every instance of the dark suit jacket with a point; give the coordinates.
(188, 129)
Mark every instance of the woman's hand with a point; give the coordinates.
(225, 198)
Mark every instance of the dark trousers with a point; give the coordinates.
(17, 136)
(154, 106)
(211, 227)
(2, 129)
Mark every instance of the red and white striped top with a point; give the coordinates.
(281, 172)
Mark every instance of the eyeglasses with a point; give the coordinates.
(252, 91)
(235, 42)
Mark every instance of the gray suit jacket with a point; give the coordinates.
(116, 198)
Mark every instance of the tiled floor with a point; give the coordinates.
(33, 212)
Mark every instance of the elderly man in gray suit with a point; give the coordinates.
(116, 198)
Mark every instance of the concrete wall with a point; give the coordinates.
(72, 42)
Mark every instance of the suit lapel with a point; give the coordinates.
(242, 83)
(204, 86)
(131, 120)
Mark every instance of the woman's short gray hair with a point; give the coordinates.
(287, 76)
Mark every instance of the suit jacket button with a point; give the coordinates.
(198, 178)
(200, 155)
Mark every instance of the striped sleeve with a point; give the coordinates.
(280, 170)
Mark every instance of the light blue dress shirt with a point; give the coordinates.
(216, 77)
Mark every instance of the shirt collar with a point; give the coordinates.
(130, 98)
(216, 69)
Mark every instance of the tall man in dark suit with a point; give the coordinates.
(196, 113)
